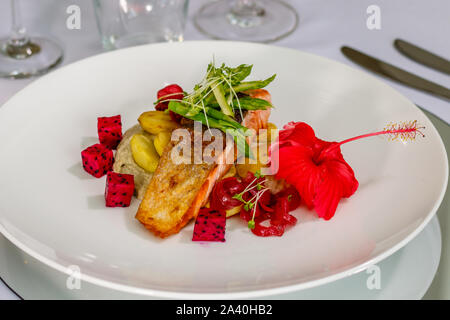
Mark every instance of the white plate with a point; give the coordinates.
(54, 211)
(406, 274)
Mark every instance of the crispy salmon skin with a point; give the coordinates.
(178, 191)
(165, 207)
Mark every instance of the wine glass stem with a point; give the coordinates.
(19, 45)
(246, 13)
(18, 33)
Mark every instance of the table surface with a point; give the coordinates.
(325, 25)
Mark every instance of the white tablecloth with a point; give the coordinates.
(325, 25)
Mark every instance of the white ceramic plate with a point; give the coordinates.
(406, 274)
(55, 212)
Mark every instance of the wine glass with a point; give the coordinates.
(128, 23)
(22, 56)
(247, 20)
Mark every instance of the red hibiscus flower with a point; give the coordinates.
(317, 169)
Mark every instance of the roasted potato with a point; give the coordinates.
(261, 154)
(144, 152)
(269, 135)
(231, 172)
(270, 127)
(233, 211)
(161, 141)
(155, 122)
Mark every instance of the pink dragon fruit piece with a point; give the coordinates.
(110, 131)
(119, 189)
(97, 160)
(209, 226)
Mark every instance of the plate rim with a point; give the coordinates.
(432, 230)
(157, 293)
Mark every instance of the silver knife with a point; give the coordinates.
(395, 73)
(422, 56)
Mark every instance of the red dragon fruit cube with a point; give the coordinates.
(97, 160)
(119, 189)
(110, 131)
(172, 91)
(209, 226)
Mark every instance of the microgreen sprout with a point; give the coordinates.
(252, 203)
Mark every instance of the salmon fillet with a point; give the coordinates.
(176, 192)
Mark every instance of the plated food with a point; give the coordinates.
(174, 193)
(55, 211)
(181, 171)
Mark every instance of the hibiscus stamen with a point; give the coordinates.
(405, 131)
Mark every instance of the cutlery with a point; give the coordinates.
(395, 73)
(422, 56)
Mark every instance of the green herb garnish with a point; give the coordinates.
(215, 100)
(252, 203)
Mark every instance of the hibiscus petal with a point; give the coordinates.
(298, 169)
(342, 172)
(323, 151)
(338, 181)
(314, 167)
(297, 133)
(327, 198)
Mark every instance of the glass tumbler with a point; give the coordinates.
(126, 23)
